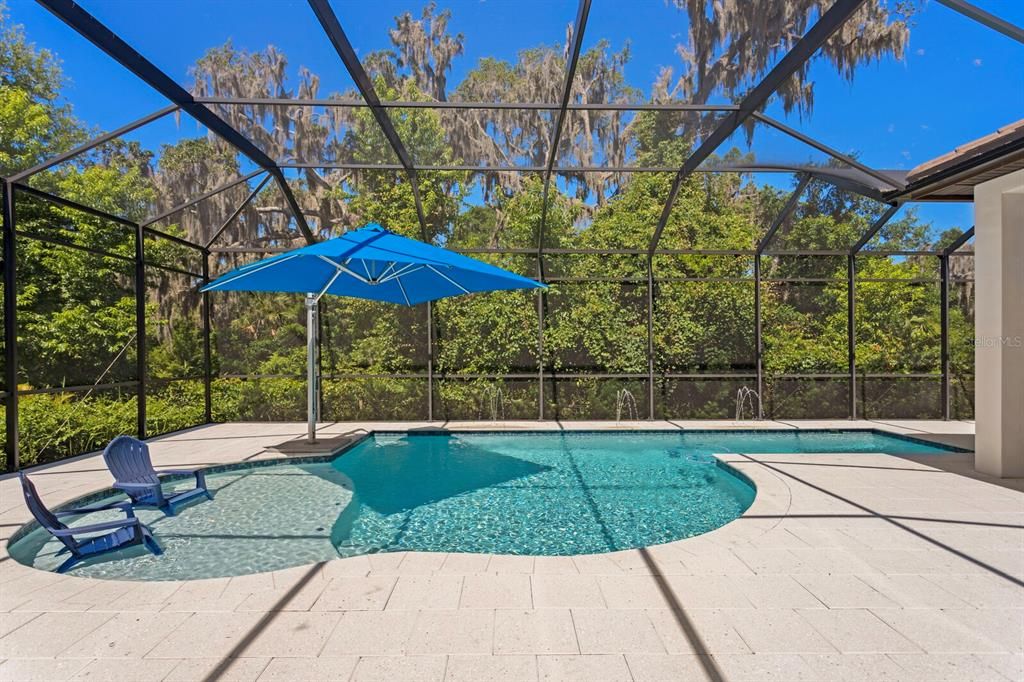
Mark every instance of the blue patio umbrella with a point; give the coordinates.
(369, 263)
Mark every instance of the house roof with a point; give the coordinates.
(952, 176)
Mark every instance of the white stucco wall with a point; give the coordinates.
(999, 325)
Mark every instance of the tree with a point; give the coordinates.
(36, 122)
(78, 309)
(732, 43)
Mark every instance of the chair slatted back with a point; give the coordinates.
(44, 516)
(129, 462)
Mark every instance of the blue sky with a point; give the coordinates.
(958, 81)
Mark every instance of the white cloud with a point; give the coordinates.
(919, 52)
(906, 154)
(891, 128)
(976, 62)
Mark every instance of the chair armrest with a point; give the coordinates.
(96, 527)
(200, 474)
(125, 506)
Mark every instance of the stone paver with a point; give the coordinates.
(566, 591)
(369, 593)
(545, 631)
(588, 668)
(607, 631)
(491, 669)
(370, 633)
(857, 631)
(126, 635)
(862, 567)
(496, 592)
(462, 631)
(408, 668)
(426, 592)
(50, 634)
(229, 670)
(324, 669)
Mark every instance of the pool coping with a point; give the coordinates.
(547, 432)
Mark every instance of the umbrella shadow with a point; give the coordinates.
(397, 478)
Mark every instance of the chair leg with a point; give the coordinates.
(68, 564)
(152, 546)
(150, 543)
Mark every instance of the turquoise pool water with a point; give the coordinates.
(510, 493)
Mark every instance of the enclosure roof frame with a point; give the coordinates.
(881, 185)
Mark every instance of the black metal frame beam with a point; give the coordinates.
(822, 147)
(68, 203)
(851, 301)
(93, 143)
(48, 239)
(103, 215)
(944, 354)
(237, 212)
(10, 302)
(202, 197)
(967, 236)
(140, 328)
(174, 238)
(746, 253)
(579, 28)
(803, 50)
(944, 334)
(84, 388)
(851, 333)
(518, 106)
(109, 42)
(989, 20)
(787, 210)
(876, 226)
(207, 349)
(336, 34)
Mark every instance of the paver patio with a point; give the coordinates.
(845, 567)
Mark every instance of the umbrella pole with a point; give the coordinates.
(312, 381)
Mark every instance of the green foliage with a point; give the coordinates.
(55, 425)
(34, 122)
(77, 309)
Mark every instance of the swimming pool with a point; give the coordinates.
(553, 493)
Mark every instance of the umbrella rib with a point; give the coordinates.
(337, 273)
(216, 285)
(390, 268)
(402, 289)
(342, 268)
(450, 280)
(410, 268)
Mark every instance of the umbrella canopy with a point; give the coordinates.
(372, 263)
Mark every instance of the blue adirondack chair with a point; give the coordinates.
(129, 462)
(82, 541)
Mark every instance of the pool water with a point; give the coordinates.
(552, 494)
(555, 493)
